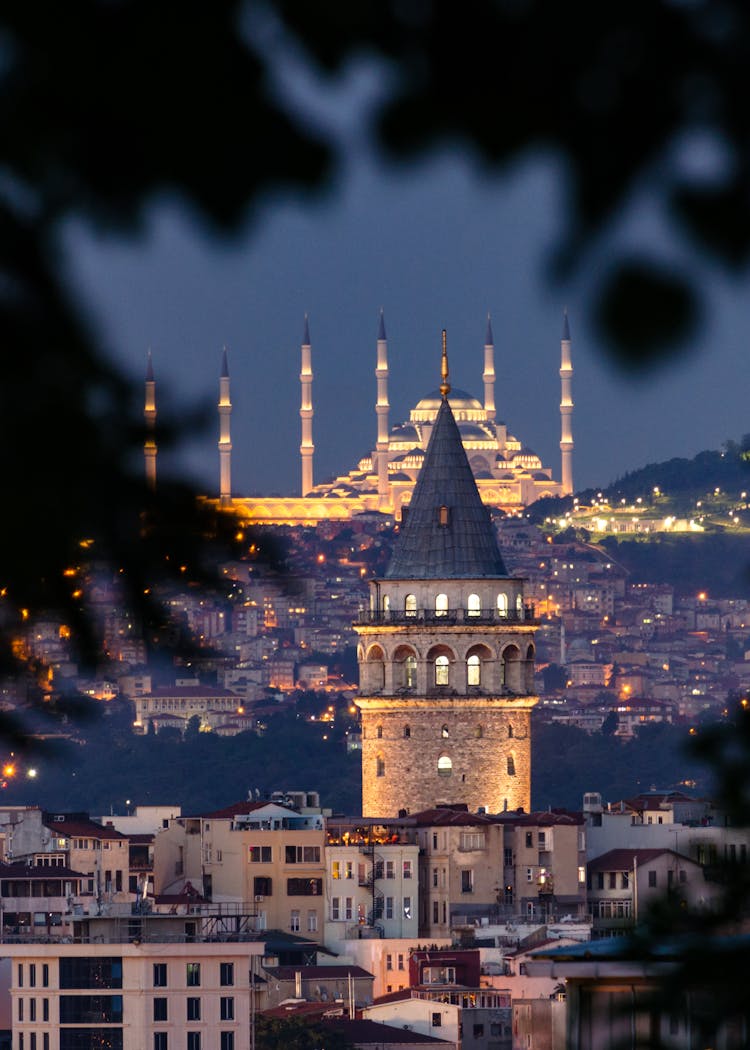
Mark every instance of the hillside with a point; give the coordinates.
(203, 771)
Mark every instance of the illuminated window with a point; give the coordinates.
(444, 732)
(473, 670)
(474, 605)
(410, 672)
(441, 605)
(443, 516)
(502, 604)
(442, 670)
(444, 766)
(410, 605)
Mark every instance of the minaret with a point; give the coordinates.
(225, 440)
(381, 409)
(149, 414)
(306, 412)
(566, 410)
(489, 373)
(446, 651)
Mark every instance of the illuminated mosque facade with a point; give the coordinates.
(508, 475)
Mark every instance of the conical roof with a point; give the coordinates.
(448, 533)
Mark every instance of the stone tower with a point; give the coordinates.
(446, 653)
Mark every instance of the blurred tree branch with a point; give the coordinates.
(106, 105)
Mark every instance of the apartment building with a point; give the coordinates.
(131, 996)
(372, 886)
(265, 857)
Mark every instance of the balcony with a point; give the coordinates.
(449, 618)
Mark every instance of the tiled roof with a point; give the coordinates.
(624, 859)
(366, 1033)
(465, 546)
(78, 827)
(317, 973)
(189, 692)
(38, 871)
(450, 818)
(238, 809)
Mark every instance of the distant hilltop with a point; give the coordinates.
(711, 490)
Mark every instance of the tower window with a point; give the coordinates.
(511, 766)
(502, 604)
(442, 669)
(380, 766)
(410, 605)
(379, 732)
(444, 732)
(410, 672)
(473, 670)
(510, 731)
(479, 732)
(444, 766)
(407, 732)
(443, 516)
(474, 605)
(441, 605)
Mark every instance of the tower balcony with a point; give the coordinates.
(447, 617)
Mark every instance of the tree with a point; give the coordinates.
(610, 724)
(102, 113)
(298, 1034)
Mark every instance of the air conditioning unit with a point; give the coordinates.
(259, 898)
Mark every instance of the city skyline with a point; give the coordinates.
(474, 247)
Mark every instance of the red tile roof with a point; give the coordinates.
(77, 826)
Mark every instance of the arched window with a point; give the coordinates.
(410, 672)
(502, 604)
(519, 606)
(410, 605)
(479, 732)
(511, 766)
(510, 731)
(380, 766)
(379, 732)
(407, 732)
(511, 669)
(444, 766)
(441, 605)
(474, 670)
(374, 669)
(474, 605)
(444, 732)
(386, 603)
(442, 670)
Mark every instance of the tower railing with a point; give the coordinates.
(448, 617)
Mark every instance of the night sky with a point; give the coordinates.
(437, 244)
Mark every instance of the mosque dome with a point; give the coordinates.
(458, 399)
(474, 432)
(405, 433)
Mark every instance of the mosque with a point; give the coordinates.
(508, 475)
